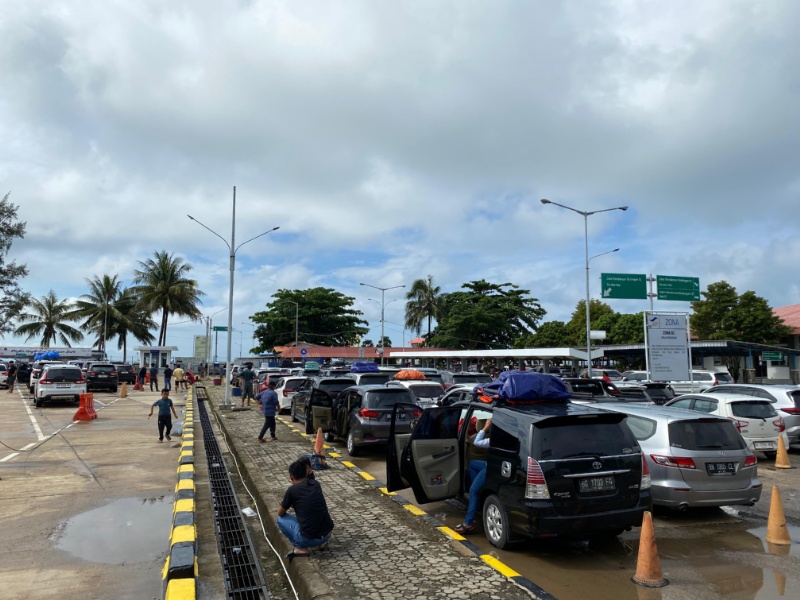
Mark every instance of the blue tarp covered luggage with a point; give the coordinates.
(364, 367)
(524, 386)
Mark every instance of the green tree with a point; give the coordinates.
(95, 308)
(47, 320)
(424, 302)
(385, 342)
(162, 284)
(576, 327)
(628, 329)
(368, 343)
(552, 334)
(130, 319)
(486, 315)
(12, 298)
(324, 316)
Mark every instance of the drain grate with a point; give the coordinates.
(244, 579)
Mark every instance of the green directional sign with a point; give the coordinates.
(686, 289)
(623, 286)
(772, 356)
(220, 328)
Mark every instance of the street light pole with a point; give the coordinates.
(296, 319)
(586, 214)
(233, 248)
(383, 307)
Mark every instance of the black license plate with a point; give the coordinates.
(721, 468)
(597, 484)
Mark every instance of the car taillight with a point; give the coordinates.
(535, 486)
(44, 381)
(779, 424)
(91, 373)
(114, 373)
(739, 424)
(646, 482)
(681, 462)
(750, 461)
(366, 413)
(791, 411)
(416, 413)
(613, 391)
(285, 393)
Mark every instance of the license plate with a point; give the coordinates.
(401, 416)
(764, 446)
(721, 468)
(597, 484)
(102, 376)
(62, 385)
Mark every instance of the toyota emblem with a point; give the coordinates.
(597, 465)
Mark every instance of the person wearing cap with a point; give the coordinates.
(268, 404)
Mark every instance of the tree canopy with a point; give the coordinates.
(12, 298)
(424, 303)
(47, 319)
(325, 317)
(486, 315)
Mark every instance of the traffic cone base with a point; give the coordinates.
(648, 567)
(782, 458)
(777, 533)
(123, 392)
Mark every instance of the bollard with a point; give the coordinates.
(86, 410)
(648, 568)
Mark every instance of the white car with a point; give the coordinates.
(425, 391)
(701, 381)
(755, 418)
(286, 388)
(59, 381)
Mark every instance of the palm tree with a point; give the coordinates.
(423, 302)
(130, 318)
(96, 308)
(47, 318)
(163, 286)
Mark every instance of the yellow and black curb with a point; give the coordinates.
(490, 560)
(179, 574)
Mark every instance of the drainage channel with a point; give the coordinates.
(244, 579)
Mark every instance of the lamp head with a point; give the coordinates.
(545, 201)
(623, 208)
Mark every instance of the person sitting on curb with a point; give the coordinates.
(477, 472)
(311, 525)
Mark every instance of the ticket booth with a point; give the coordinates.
(155, 356)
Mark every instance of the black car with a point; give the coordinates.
(553, 468)
(319, 392)
(126, 373)
(23, 372)
(101, 375)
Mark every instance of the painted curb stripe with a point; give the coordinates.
(366, 476)
(386, 492)
(348, 464)
(180, 589)
(498, 566)
(414, 510)
(451, 533)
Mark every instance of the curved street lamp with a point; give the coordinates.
(383, 308)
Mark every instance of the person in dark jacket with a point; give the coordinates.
(311, 525)
(142, 376)
(154, 377)
(269, 405)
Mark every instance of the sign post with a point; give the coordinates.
(686, 289)
(623, 286)
(775, 356)
(667, 343)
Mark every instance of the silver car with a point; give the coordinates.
(694, 460)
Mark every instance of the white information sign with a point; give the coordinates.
(667, 346)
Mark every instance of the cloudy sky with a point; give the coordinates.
(389, 141)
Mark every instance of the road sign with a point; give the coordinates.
(686, 289)
(623, 285)
(20, 355)
(220, 328)
(303, 351)
(772, 356)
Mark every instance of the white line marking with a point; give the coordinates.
(9, 457)
(36, 427)
(31, 445)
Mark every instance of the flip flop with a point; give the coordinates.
(292, 555)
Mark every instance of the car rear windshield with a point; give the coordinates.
(472, 378)
(724, 378)
(104, 368)
(374, 378)
(612, 374)
(705, 433)
(795, 396)
(426, 391)
(587, 386)
(63, 375)
(387, 399)
(594, 435)
(335, 385)
(293, 384)
(125, 368)
(753, 409)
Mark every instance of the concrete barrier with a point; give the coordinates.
(180, 568)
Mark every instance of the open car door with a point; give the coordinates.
(319, 412)
(428, 460)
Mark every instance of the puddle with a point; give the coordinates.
(792, 549)
(122, 531)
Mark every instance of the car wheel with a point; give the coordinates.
(495, 522)
(352, 449)
(771, 455)
(309, 424)
(293, 413)
(77, 399)
(329, 437)
(39, 403)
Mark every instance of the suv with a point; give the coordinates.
(126, 373)
(701, 381)
(553, 468)
(36, 371)
(59, 381)
(102, 375)
(361, 415)
(426, 392)
(786, 400)
(604, 374)
(318, 392)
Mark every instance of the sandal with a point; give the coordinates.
(464, 528)
(292, 555)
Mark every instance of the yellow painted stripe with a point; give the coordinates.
(186, 453)
(451, 533)
(185, 484)
(414, 510)
(184, 505)
(334, 454)
(326, 446)
(181, 589)
(186, 469)
(166, 568)
(348, 464)
(387, 492)
(366, 476)
(498, 566)
(187, 443)
(184, 533)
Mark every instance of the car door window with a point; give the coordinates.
(706, 406)
(682, 403)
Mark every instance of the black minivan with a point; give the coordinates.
(553, 468)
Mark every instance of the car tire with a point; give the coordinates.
(39, 402)
(293, 414)
(352, 449)
(495, 522)
(309, 425)
(77, 399)
(771, 454)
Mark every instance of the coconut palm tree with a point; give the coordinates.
(48, 317)
(162, 285)
(423, 302)
(96, 308)
(131, 319)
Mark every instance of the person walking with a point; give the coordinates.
(153, 377)
(164, 405)
(268, 404)
(311, 525)
(247, 375)
(168, 378)
(12, 376)
(178, 375)
(477, 471)
(142, 376)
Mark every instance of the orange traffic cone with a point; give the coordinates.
(123, 392)
(648, 568)
(776, 523)
(318, 443)
(782, 458)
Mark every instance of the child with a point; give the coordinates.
(164, 422)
